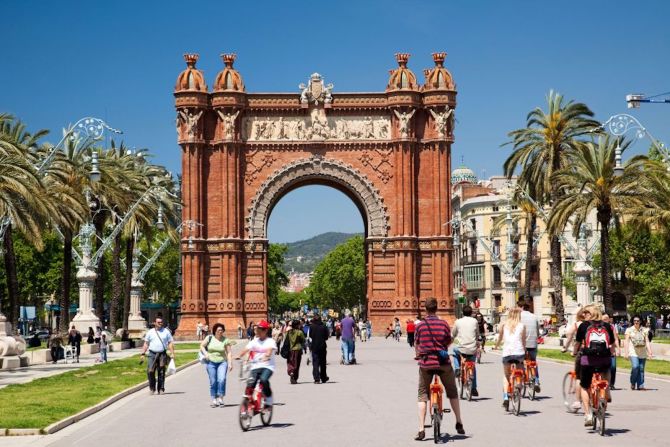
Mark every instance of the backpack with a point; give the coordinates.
(285, 350)
(597, 342)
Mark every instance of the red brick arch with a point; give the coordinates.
(241, 152)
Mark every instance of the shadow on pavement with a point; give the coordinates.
(615, 431)
(528, 413)
(542, 397)
(277, 425)
(173, 392)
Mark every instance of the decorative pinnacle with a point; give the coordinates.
(229, 59)
(439, 58)
(402, 58)
(426, 72)
(191, 59)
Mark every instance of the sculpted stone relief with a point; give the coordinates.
(317, 127)
(191, 121)
(228, 120)
(442, 120)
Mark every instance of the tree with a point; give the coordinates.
(339, 280)
(590, 184)
(276, 275)
(541, 149)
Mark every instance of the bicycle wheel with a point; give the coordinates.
(437, 419)
(246, 413)
(569, 392)
(516, 398)
(468, 388)
(602, 409)
(459, 384)
(266, 415)
(531, 387)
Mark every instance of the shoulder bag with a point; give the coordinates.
(442, 354)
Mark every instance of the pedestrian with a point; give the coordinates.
(157, 341)
(638, 350)
(617, 350)
(432, 338)
(90, 339)
(55, 345)
(216, 349)
(240, 330)
(338, 330)
(250, 331)
(98, 334)
(205, 331)
(410, 327)
(512, 335)
(277, 333)
(532, 325)
(348, 338)
(318, 334)
(368, 327)
(296, 344)
(466, 331)
(362, 330)
(74, 340)
(198, 331)
(104, 346)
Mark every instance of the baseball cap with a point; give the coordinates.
(263, 324)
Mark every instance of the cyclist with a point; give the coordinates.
(432, 338)
(466, 330)
(261, 352)
(513, 336)
(482, 330)
(582, 314)
(596, 341)
(532, 325)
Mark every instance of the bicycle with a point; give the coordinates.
(570, 391)
(598, 397)
(529, 377)
(465, 381)
(515, 388)
(253, 404)
(436, 410)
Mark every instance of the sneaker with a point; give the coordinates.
(537, 387)
(214, 404)
(505, 404)
(152, 392)
(325, 380)
(475, 393)
(317, 381)
(219, 401)
(459, 428)
(588, 420)
(576, 405)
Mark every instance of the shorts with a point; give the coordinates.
(578, 364)
(513, 359)
(447, 377)
(532, 353)
(586, 374)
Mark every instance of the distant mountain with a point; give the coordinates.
(303, 256)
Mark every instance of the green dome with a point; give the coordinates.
(463, 174)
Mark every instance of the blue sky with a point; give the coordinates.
(119, 61)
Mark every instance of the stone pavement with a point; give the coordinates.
(373, 403)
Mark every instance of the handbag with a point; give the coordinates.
(202, 358)
(285, 350)
(172, 368)
(442, 354)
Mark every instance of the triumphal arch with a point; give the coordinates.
(241, 152)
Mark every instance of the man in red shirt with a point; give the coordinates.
(433, 335)
(410, 333)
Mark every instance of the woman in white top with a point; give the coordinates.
(513, 336)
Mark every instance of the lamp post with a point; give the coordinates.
(83, 132)
(635, 99)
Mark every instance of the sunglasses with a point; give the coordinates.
(636, 321)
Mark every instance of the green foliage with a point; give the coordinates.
(303, 256)
(289, 301)
(162, 277)
(276, 275)
(339, 280)
(644, 259)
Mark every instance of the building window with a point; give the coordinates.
(497, 300)
(496, 209)
(496, 248)
(474, 276)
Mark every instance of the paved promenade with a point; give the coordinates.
(373, 403)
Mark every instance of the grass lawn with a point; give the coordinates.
(665, 341)
(184, 346)
(42, 402)
(652, 366)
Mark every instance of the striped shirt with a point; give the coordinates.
(430, 336)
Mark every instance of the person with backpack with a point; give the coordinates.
(292, 350)
(216, 349)
(637, 349)
(595, 340)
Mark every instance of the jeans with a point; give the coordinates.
(348, 347)
(103, 354)
(532, 355)
(262, 375)
(457, 365)
(217, 373)
(637, 371)
(156, 364)
(613, 372)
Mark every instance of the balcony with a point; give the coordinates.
(496, 284)
(472, 259)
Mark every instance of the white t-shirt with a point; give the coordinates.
(257, 353)
(531, 324)
(155, 343)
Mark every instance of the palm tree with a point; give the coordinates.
(21, 197)
(590, 184)
(541, 149)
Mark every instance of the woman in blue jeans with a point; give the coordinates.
(217, 350)
(637, 349)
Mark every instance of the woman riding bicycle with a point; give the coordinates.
(582, 315)
(513, 336)
(261, 356)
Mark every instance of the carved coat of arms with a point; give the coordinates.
(315, 91)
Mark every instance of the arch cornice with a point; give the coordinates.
(319, 169)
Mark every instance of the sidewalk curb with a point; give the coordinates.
(59, 425)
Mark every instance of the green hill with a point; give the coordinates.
(303, 256)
